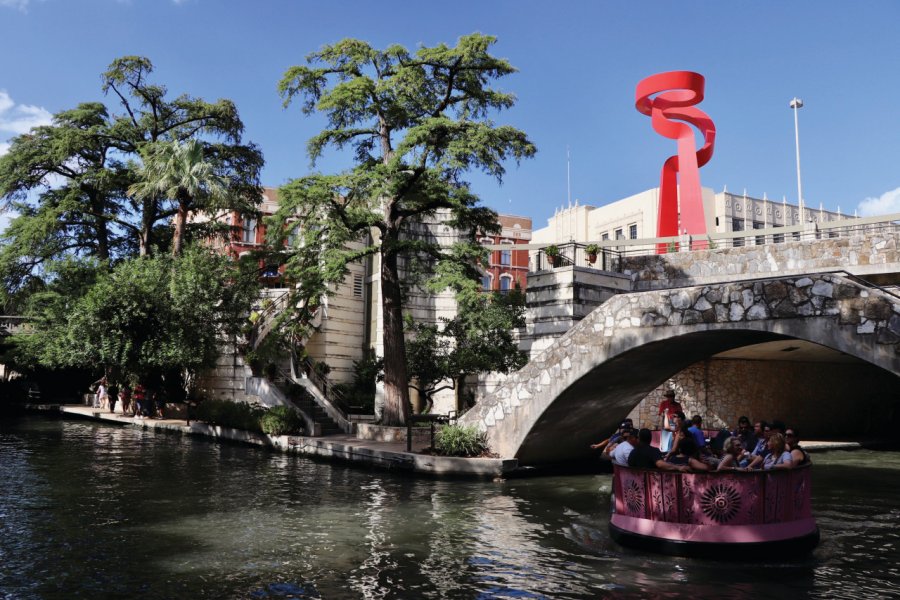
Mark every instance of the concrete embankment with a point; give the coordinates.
(387, 455)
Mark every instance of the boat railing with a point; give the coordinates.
(715, 497)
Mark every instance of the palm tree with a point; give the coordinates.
(179, 171)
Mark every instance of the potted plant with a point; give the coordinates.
(552, 252)
(592, 251)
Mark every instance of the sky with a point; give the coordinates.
(578, 64)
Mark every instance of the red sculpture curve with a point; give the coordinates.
(676, 93)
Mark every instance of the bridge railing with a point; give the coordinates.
(714, 498)
(612, 252)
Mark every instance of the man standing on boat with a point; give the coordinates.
(668, 408)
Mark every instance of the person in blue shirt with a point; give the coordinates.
(696, 430)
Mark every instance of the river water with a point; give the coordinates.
(97, 511)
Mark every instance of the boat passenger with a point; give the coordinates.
(696, 430)
(778, 456)
(686, 453)
(734, 450)
(668, 408)
(624, 448)
(744, 432)
(645, 456)
(614, 439)
(799, 455)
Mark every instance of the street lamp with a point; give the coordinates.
(796, 105)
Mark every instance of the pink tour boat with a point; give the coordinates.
(718, 514)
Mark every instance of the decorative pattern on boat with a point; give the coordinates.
(730, 498)
(721, 502)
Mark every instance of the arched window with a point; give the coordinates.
(505, 284)
(487, 282)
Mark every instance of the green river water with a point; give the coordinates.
(97, 511)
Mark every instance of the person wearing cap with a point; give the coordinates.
(668, 408)
(623, 449)
(614, 438)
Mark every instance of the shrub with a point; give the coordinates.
(225, 413)
(458, 440)
(281, 420)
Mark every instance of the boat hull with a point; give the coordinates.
(725, 515)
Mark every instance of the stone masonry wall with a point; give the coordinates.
(821, 399)
(860, 254)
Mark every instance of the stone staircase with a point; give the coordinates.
(307, 404)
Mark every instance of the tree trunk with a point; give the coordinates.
(180, 223)
(396, 382)
(148, 217)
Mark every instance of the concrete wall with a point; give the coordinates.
(557, 299)
(821, 399)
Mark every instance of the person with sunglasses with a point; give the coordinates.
(799, 456)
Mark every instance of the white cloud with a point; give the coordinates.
(4, 148)
(17, 119)
(19, 4)
(887, 203)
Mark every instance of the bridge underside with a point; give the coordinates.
(592, 407)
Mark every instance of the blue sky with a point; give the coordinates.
(578, 66)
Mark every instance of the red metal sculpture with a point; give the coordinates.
(665, 98)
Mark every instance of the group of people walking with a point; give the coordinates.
(684, 446)
(134, 402)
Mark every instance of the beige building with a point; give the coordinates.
(635, 217)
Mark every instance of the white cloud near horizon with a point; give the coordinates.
(17, 119)
(885, 204)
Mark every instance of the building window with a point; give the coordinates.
(619, 234)
(778, 238)
(357, 286)
(293, 236)
(248, 231)
(505, 282)
(760, 239)
(506, 257)
(604, 237)
(632, 231)
(486, 281)
(737, 225)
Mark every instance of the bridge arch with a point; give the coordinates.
(552, 409)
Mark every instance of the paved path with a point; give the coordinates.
(390, 455)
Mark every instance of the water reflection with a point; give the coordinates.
(98, 511)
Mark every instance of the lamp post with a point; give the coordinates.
(796, 105)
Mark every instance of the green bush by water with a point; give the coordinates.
(281, 420)
(459, 440)
(237, 415)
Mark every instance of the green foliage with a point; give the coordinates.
(459, 440)
(478, 340)
(671, 248)
(359, 395)
(236, 415)
(592, 249)
(552, 250)
(146, 316)
(415, 124)
(281, 420)
(712, 243)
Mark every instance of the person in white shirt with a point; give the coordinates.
(623, 449)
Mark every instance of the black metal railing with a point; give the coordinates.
(576, 254)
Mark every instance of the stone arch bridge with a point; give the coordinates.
(579, 387)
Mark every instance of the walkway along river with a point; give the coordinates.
(89, 510)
